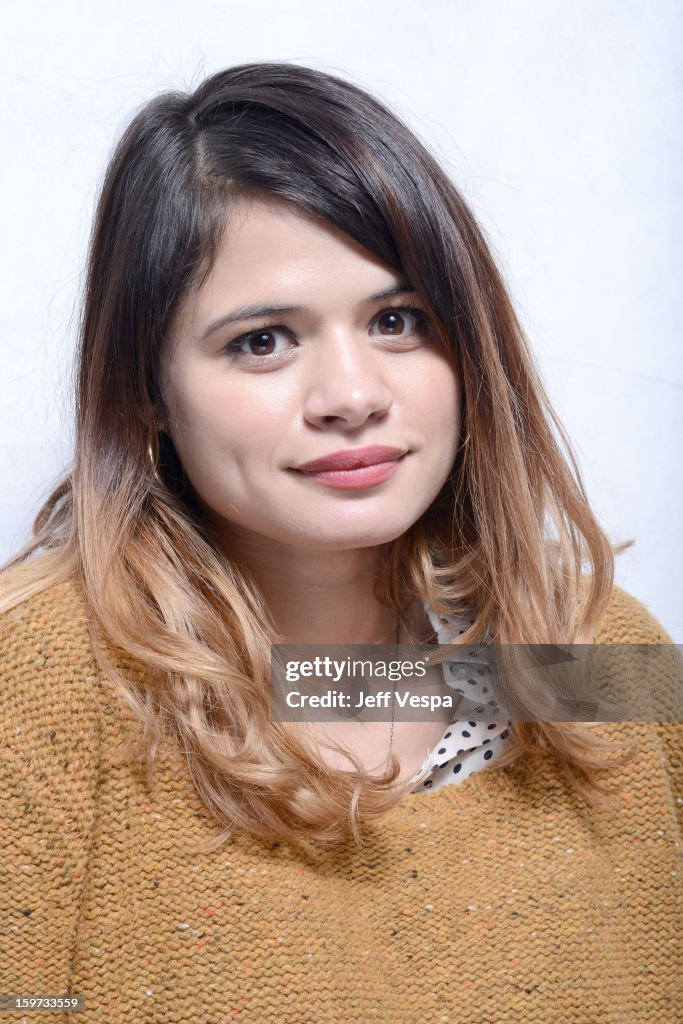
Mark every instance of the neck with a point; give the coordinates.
(320, 597)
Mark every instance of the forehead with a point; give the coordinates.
(271, 250)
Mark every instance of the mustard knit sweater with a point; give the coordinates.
(501, 899)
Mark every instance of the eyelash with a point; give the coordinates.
(234, 347)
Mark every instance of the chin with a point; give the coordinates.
(339, 537)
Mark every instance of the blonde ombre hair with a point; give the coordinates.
(511, 538)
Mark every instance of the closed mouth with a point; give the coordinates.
(350, 459)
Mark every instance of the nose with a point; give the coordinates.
(345, 385)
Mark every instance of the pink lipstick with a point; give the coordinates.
(354, 468)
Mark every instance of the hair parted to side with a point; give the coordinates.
(505, 540)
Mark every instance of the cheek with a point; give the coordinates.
(199, 419)
(211, 420)
(440, 400)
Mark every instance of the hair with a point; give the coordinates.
(184, 634)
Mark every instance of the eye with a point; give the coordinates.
(397, 316)
(261, 342)
(270, 341)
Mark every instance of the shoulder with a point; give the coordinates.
(649, 673)
(45, 648)
(627, 620)
(51, 694)
(54, 730)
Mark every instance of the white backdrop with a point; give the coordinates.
(559, 120)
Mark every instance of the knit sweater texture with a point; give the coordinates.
(501, 899)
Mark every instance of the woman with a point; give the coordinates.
(307, 413)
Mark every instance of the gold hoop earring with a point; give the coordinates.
(153, 454)
(153, 461)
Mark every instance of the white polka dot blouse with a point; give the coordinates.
(467, 746)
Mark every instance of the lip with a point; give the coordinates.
(354, 468)
(353, 458)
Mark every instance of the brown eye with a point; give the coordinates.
(401, 320)
(262, 344)
(394, 320)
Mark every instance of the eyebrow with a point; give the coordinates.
(250, 312)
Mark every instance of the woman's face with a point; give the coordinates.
(252, 402)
